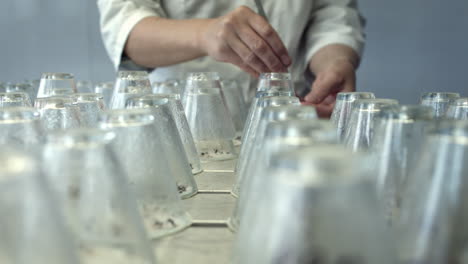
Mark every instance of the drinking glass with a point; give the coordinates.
(58, 112)
(458, 109)
(21, 126)
(152, 170)
(397, 143)
(56, 84)
(90, 106)
(209, 120)
(278, 136)
(169, 136)
(342, 110)
(251, 132)
(438, 101)
(172, 101)
(100, 209)
(129, 84)
(26, 88)
(106, 89)
(319, 207)
(14, 99)
(270, 84)
(32, 230)
(432, 225)
(278, 111)
(361, 124)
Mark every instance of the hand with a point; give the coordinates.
(337, 76)
(245, 39)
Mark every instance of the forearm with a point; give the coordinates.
(156, 42)
(329, 54)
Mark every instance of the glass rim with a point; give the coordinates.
(460, 102)
(79, 97)
(61, 98)
(280, 126)
(406, 112)
(57, 76)
(104, 85)
(366, 103)
(285, 76)
(133, 75)
(439, 96)
(156, 101)
(352, 96)
(14, 94)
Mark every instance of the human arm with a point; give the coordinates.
(240, 37)
(336, 41)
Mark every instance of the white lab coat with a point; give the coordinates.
(305, 26)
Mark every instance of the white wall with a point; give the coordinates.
(413, 46)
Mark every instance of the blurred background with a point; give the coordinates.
(412, 46)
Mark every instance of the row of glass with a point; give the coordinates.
(115, 170)
(379, 183)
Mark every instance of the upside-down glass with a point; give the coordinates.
(106, 89)
(58, 112)
(14, 99)
(172, 101)
(432, 226)
(56, 84)
(26, 88)
(138, 131)
(236, 106)
(270, 84)
(32, 230)
(21, 126)
(273, 109)
(458, 109)
(251, 132)
(209, 120)
(438, 101)
(100, 209)
(151, 171)
(319, 207)
(342, 110)
(279, 136)
(360, 130)
(129, 84)
(399, 134)
(90, 105)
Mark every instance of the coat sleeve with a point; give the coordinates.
(334, 22)
(117, 19)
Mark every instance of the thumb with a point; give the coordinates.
(324, 85)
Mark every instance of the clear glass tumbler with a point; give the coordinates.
(129, 84)
(439, 101)
(358, 135)
(15, 99)
(319, 206)
(458, 109)
(87, 176)
(151, 170)
(56, 84)
(172, 101)
(432, 225)
(21, 126)
(236, 105)
(253, 129)
(90, 105)
(58, 112)
(342, 110)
